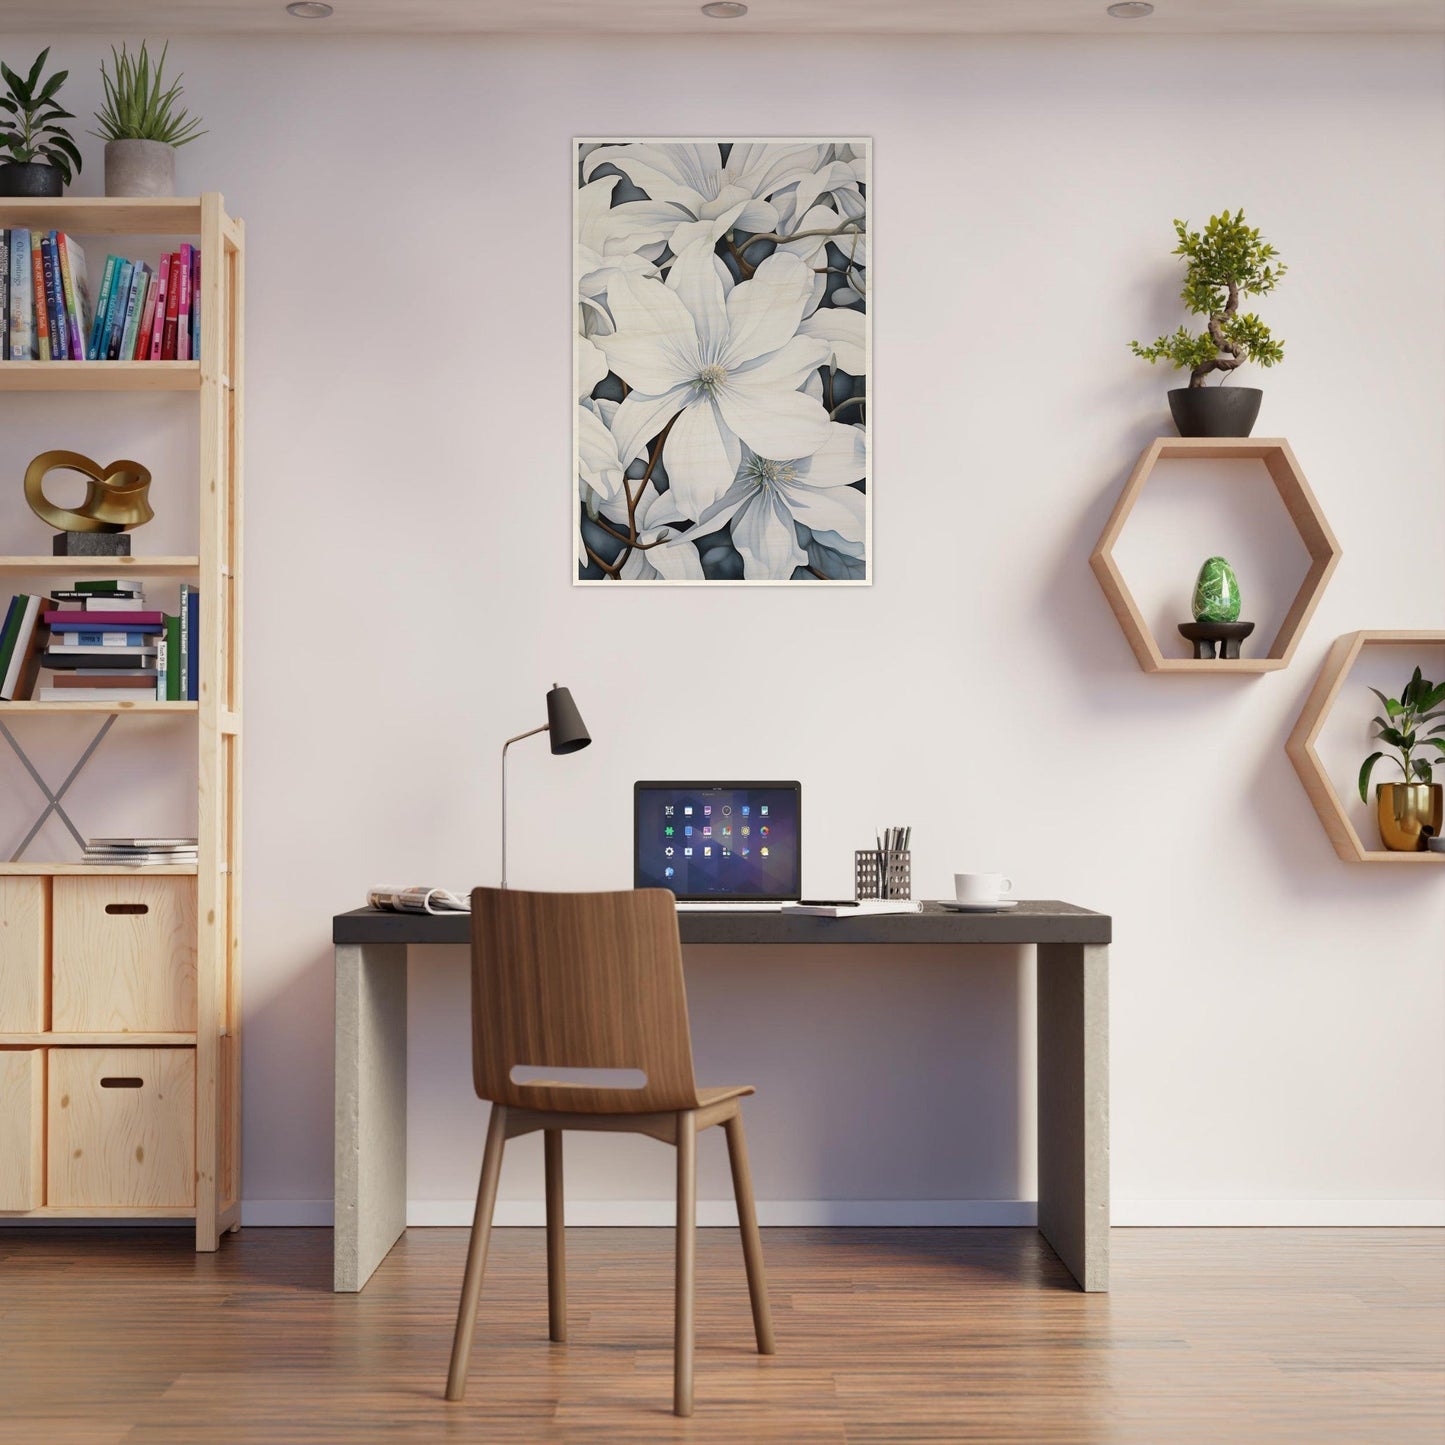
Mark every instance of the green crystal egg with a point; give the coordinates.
(1216, 593)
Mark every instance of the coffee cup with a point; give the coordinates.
(980, 887)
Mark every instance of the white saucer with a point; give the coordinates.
(954, 907)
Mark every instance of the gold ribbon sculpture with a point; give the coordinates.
(115, 496)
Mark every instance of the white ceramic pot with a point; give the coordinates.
(140, 168)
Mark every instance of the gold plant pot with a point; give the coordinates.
(1409, 813)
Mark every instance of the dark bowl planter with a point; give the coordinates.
(30, 178)
(1215, 411)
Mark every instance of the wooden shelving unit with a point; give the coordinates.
(1312, 773)
(192, 912)
(1284, 472)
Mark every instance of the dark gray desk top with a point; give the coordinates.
(1033, 921)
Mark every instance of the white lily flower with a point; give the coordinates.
(665, 555)
(716, 198)
(769, 498)
(722, 364)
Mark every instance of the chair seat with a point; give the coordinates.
(719, 1095)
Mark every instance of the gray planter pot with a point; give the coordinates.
(140, 168)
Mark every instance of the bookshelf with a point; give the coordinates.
(177, 940)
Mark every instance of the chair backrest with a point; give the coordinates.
(580, 981)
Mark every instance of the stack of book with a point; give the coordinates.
(140, 852)
(104, 645)
(141, 313)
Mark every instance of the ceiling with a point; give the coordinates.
(682, 17)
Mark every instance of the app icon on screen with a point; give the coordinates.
(687, 811)
(707, 852)
(687, 830)
(746, 810)
(727, 832)
(743, 851)
(707, 831)
(727, 853)
(707, 810)
(669, 850)
(763, 830)
(746, 830)
(727, 808)
(669, 830)
(669, 872)
(763, 851)
(687, 852)
(667, 810)
(763, 810)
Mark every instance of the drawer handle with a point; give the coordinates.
(122, 1082)
(127, 908)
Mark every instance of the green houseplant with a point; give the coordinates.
(1410, 811)
(142, 124)
(40, 158)
(1224, 263)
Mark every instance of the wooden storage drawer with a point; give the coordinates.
(22, 1128)
(122, 1127)
(123, 955)
(24, 945)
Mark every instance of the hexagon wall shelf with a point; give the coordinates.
(1301, 747)
(1304, 512)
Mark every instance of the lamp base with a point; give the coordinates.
(91, 544)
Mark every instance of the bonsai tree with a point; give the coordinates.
(1420, 702)
(28, 114)
(1225, 262)
(137, 107)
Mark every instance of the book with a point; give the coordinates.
(19, 681)
(129, 621)
(151, 844)
(97, 584)
(866, 908)
(71, 641)
(42, 303)
(77, 292)
(64, 659)
(94, 348)
(173, 659)
(191, 643)
(158, 324)
(142, 346)
(418, 900)
(54, 303)
(106, 677)
(94, 603)
(115, 322)
(163, 669)
(133, 308)
(22, 306)
(74, 594)
(173, 297)
(4, 295)
(13, 614)
(183, 307)
(98, 694)
(196, 303)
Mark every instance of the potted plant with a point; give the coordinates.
(40, 157)
(1409, 812)
(141, 125)
(1224, 263)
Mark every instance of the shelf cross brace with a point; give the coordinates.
(53, 803)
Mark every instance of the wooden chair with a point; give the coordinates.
(594, 981)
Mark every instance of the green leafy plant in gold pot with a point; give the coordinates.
(1225, 263)
(1410, 811)
(142, 124)
(37, 155)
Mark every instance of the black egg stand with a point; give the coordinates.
(1207, 635)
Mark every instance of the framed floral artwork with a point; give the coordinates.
(722, 354)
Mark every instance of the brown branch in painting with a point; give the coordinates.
(610, 568)
(629, 539)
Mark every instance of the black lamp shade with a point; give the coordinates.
(565, 729)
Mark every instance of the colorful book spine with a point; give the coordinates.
(95, 348)
(158, 325)
(173, 298)
(147, 318)
(77, 292)
(173, 656)
(4, 295)
(22, 306)
(133, 308)
(24, 662)
(8, 631)
(196, 304)
(37, 289)
(113, 620)
(183, 307)
(120, 298)
(55, 300)
(99, 637)
(162, 671)
(193, 646)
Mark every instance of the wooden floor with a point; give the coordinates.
(1218, 1336)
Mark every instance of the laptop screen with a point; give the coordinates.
(723, 841)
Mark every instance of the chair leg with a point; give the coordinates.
(477, 1253)
(686, 1283)
(556, 1238)
(748, 1228)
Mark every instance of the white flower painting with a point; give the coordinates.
(722, 356)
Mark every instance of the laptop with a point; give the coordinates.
(720, 845)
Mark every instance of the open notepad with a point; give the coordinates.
(866, 908)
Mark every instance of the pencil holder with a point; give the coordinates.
(881, 874)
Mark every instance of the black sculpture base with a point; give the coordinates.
(91, 544)
(1204, 636)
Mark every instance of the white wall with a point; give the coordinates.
(1276, 1015)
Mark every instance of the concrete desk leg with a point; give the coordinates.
(370, 1108)
(1073, 994)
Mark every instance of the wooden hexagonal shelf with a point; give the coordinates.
(1304, 512)
(1301, 747)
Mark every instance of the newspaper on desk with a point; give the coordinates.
(418, 900)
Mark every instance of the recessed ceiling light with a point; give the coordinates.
(309, 9)
(725, 10)
(1131, 9)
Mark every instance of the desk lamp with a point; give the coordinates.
(568, 734)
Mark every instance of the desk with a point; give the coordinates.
(1073, 1056)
